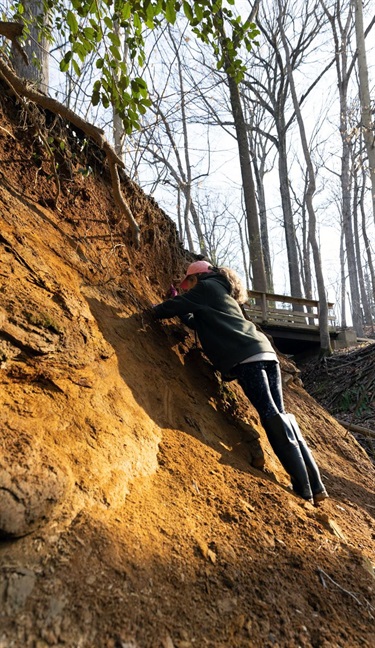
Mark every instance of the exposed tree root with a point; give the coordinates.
(24, 90)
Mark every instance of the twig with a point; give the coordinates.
(7, 132)
(321, 572)
(357, 428)
(322, 579)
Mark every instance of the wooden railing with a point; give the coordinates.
(281, 310)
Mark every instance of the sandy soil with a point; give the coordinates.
(131, 515)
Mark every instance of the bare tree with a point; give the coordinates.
(368, 251)
(268, 85)
(220, 236)
(340, 17)
(260, 147)
(325, 343)
(343, 279)
(227, 113)
(304, 249)
(248, 186)
(362, 288)
(168, 139)
(256, 251)
(364, 92)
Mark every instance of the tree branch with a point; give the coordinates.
(12, 31)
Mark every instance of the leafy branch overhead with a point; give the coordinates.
(91, 26)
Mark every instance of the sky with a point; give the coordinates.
(224, 181)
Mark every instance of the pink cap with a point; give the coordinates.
(195, 268)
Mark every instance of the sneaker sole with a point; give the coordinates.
(320, 497)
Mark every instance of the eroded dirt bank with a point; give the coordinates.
(130, 514)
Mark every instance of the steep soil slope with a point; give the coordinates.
(130, 513)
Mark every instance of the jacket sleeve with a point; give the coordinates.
(188, 320)
(182, 305)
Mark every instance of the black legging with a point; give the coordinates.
(261, 382)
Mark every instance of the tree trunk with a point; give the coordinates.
(258, 150)
(347, 217)
(361, 281)
(195, 216)
(36, 50)
(259, 175)
(366, 239)
(307, 275)
(325, 341)
(364, 92)
(290, 234)
(186, 187)
(337, 18)
(118, 126)
(245, 267)
(343, 279)
(256, 252)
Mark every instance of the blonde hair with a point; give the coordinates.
(237, 289)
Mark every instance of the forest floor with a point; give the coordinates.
(344, 384)
(130, 513)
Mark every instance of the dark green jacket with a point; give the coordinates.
(226, 336)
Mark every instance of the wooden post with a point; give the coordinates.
(264, 307)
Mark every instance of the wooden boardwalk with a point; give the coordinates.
(282, 311)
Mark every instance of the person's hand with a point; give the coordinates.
(149, 313)
(172, 292)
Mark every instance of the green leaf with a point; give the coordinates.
(147, 102)
(76, 67)
(81, 50)
(150, 15)
(115, 52)
(105, 100)
(170, 12)
(72, 22)
(141, 82)
(113, 37)
(95, 98)
(64, 63)
(188, 11)
(198, 11)
(126, 11)
(137, 22)
(212, 21)
(123, 82)
(89, 33)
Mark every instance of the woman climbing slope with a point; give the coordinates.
(238, 350)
